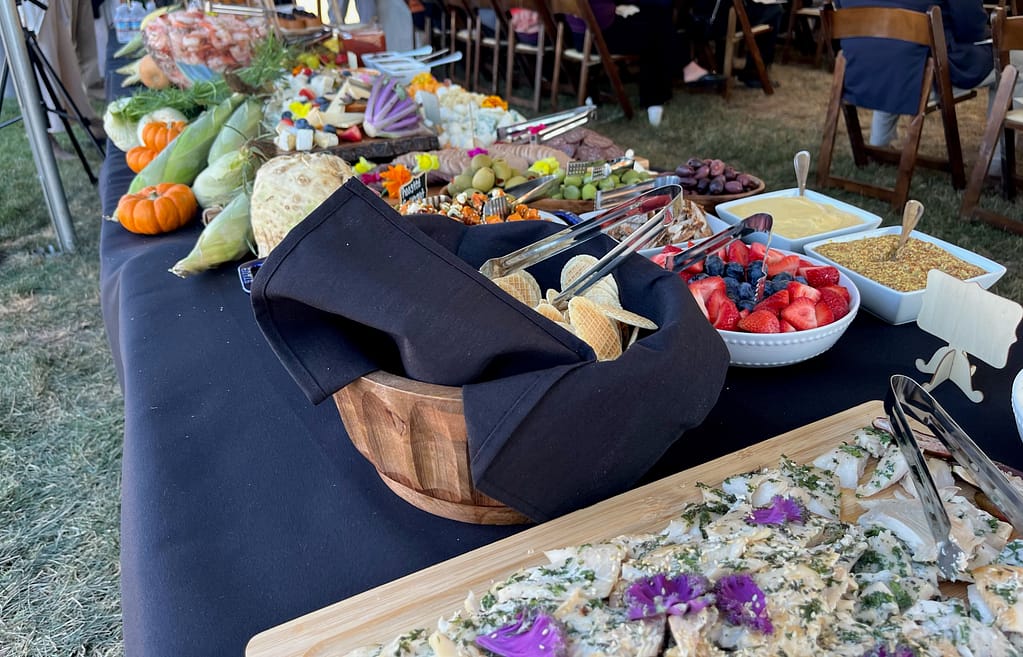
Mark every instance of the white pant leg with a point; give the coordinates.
(883, 128)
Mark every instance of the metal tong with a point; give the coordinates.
(529, 255)
(546, 127)
(759, 222)
(906, 396)
(611, 197)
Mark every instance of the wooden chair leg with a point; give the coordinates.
(495, 61)
(584, 67)
(856, 143)
(790, 31)
(538, 74)
(831, 125)
(1009, 164)
(477, 37)
(729, 53)
(752, 49)
(559, 46)
(509, 65)
(907, 162)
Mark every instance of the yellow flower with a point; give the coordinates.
(494, 101)
(298, 110)
(546, 166)
(426, 162)
(394, 177)
(363, 165)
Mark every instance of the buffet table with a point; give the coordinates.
(244, 506)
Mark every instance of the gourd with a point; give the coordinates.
(157, 209)
(155, 136)
(151, 75)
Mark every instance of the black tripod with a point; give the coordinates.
(45, 72)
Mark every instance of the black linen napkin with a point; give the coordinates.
(356, 287)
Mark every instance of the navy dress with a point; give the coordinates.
(885, 74)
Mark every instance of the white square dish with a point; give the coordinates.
(868, 220)
(889, 304)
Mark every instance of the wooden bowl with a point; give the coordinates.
(415, 436)
(710, 201)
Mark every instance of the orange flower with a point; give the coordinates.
(494, 101)
(394, 177)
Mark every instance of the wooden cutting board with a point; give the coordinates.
(419, 599)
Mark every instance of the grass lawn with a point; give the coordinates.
(61, 419)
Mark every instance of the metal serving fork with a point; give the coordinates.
(906, 396)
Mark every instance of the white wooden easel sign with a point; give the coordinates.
(972, 321)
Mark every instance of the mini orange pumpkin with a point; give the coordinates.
(139, 156)
(157, 209)
(157, 134)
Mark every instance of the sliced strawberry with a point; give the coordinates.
(714, 301)
(841, 291)
(727, 316)
(757, 251)
(835, 301)
(775, 302)
(686, 275)
(821, 276)
(738, 252)
(797, 290)
(663, 259)
(350, 134)
(695, 268)
(705, 287)
(824, 314)
(743, 313)
(703, 306)
(788, 264)
(801, 313)
(760, 321)
(786, 327)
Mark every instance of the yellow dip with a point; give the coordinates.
(796, 217)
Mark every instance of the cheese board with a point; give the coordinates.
(421, 598)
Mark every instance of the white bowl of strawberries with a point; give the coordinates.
(806, 307)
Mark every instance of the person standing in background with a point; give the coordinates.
(710, 22)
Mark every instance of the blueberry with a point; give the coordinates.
(732, 288)
(286, 114)
(745, 290)
(301, 124)
(698, 277)
(329, 128)
(322, 101)
(755, 270)
(745, 304)
(800, 279)
(771, 287)
(714, 265)
(782, 277)
(734, 270)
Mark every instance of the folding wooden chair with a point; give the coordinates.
(739, 31)
(905, 25)
(809, 18)
(586, 58)
(494, 44)
(461, 12)
(528, 51)
(1004, 123)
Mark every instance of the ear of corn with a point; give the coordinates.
(225, 239)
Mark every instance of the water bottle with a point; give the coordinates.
(150, 7)
(138, 12)
(122, 23)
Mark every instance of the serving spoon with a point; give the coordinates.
(801, 163)
(910, 217)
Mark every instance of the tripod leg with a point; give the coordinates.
(45, 72)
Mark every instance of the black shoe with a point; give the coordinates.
(708, 80)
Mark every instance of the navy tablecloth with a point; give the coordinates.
(244, 505)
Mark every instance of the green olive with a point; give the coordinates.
(483, 179)
(589, 192)
(575, 181)
(571, 192)
(479, 161)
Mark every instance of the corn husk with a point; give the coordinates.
(221, 181)
(185, 157)
(226, 239)
(287, 189)
(242, 126)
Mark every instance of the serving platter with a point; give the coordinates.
(421, 598)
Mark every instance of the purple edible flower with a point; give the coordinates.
(883, 651)
(477, 151)
(780, 511)
(537, 129)
(370, 178)
(742, 602)
(543, 638)
(654, 596)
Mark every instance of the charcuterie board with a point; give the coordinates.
(421, 598)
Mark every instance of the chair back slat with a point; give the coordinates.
(1007, 34)
(880, 22)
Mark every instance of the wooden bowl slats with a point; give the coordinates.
(415, 435)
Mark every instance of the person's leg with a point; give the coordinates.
(883, 128)
(650, 34)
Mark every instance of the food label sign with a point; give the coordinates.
(414, 189)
